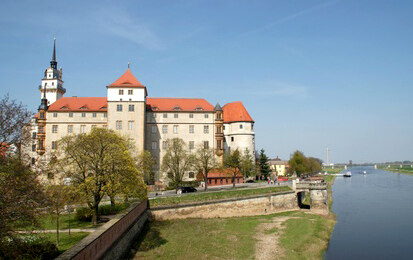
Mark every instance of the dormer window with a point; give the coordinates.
(64, 107)
(155, 108)
(177, 108)
(83, 107)
(104, 107)
(198, 108)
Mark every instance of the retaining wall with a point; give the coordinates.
(235, 207)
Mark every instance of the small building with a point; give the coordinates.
(222, 177)
(278, 166)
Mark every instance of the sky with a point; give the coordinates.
(312, 74)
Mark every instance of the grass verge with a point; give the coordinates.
(195, 197)
(65, 241)
(393, 168)
(330, 170)
(48, 222)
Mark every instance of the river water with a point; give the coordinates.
(374, 216)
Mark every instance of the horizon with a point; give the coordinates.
(312, 75)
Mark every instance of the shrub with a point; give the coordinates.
(30, 247)
(84, 214)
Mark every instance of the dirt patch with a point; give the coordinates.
(268, 236)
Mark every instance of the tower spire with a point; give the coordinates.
(53, 62)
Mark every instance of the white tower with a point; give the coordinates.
(52, 82)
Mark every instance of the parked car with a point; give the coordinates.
(181, 190)
(250, 181)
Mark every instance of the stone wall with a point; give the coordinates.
(236, 207)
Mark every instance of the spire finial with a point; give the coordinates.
(53, 62)
(128, 64)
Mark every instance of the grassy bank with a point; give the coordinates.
(300, 235)
(331, 170)
(195, 197)
(406, 169)
(65, 241)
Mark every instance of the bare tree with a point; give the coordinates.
(204, 162)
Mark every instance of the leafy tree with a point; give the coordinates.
(263, 163)
(145, 164)
(176, 161)
(204, 162)
(247, 164)
(298, 164)
(232, 160)
(21, 197)
(314, 165)
(98, 163)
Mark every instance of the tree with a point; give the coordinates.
(204, 162)
(314, 165)
(58, 196)
(145, 164)
(21, 197)
(263, 163)
(232, 160)
(247, 164)
(97, 163)
(176, 161)
(298, 164)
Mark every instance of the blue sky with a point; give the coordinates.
(312, 74)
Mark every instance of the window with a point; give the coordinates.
(130, 91)
(33, 161)
(52, 83)
(191, 175)
(83, 114)
(252, 127)
(34, 135)
(154, 129)
(54, 129)
(33, 147)
(223, 127)
(175, 115)
(206, 115)
(219, 129)
(131, 125)
(164, 129)
(175, 129)
(206, 129)
(232, 139)
(54, 114)
(42, 115)
(154, 145)
(83, 129)
(240, 126)
(70, 114)
(120, 91)
(119, 108)
(206, 144)
(118, 125)
(94, 114)
(165, 115)
(191, 129)
(105, 114)
(219, 146)
(191, 115)
(191, 145)
(54, 145)
(131, 108)
(41, 129)
(70, 129)
(164, 144)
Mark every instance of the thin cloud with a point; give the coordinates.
(292, 17)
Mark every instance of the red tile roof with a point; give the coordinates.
(236, 112)
(78, 104)
(178, 104)
(127, 80)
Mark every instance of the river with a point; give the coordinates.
(374, 216)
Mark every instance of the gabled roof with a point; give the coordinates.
(79, 104)
(178, 104)
(236, 112)
(127, 80)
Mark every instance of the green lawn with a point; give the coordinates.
(65, 241)
(332, 170)
(304, 236)
(205, 196)
(406, 169)
(49, 222)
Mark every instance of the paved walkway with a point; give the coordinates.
(74, 230)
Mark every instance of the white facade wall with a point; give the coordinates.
(138, 94)
(239, 135)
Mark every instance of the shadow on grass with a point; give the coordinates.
(150, 238)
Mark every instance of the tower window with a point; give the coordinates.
(206, 144)
(70, 114)
(154, 145)
(33, 147)
(232, 139)
(34, 135)
(175, 115)
(119, 108)
(94, 114)
(54, 129)
(206, 129)
(240, 126)
(165, 115)
(120, 91)
(54, 114)
(54, 145)
(52, 83)
(131, 108)
(130, 92)
(191, 129)
(154, 129)
(33, 161)
(70, 129)
(164, 129)
(83, 129)
(206, 115)
(191, 115)
(191, 145)
(131, 125)
(42, 115)
(164, 144)
(83, 114)
(175, 129)
(105, 114)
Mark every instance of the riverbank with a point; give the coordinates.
(408, 170)
(293, 234)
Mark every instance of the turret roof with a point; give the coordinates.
(236, 112)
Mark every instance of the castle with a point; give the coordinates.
(149, 122)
